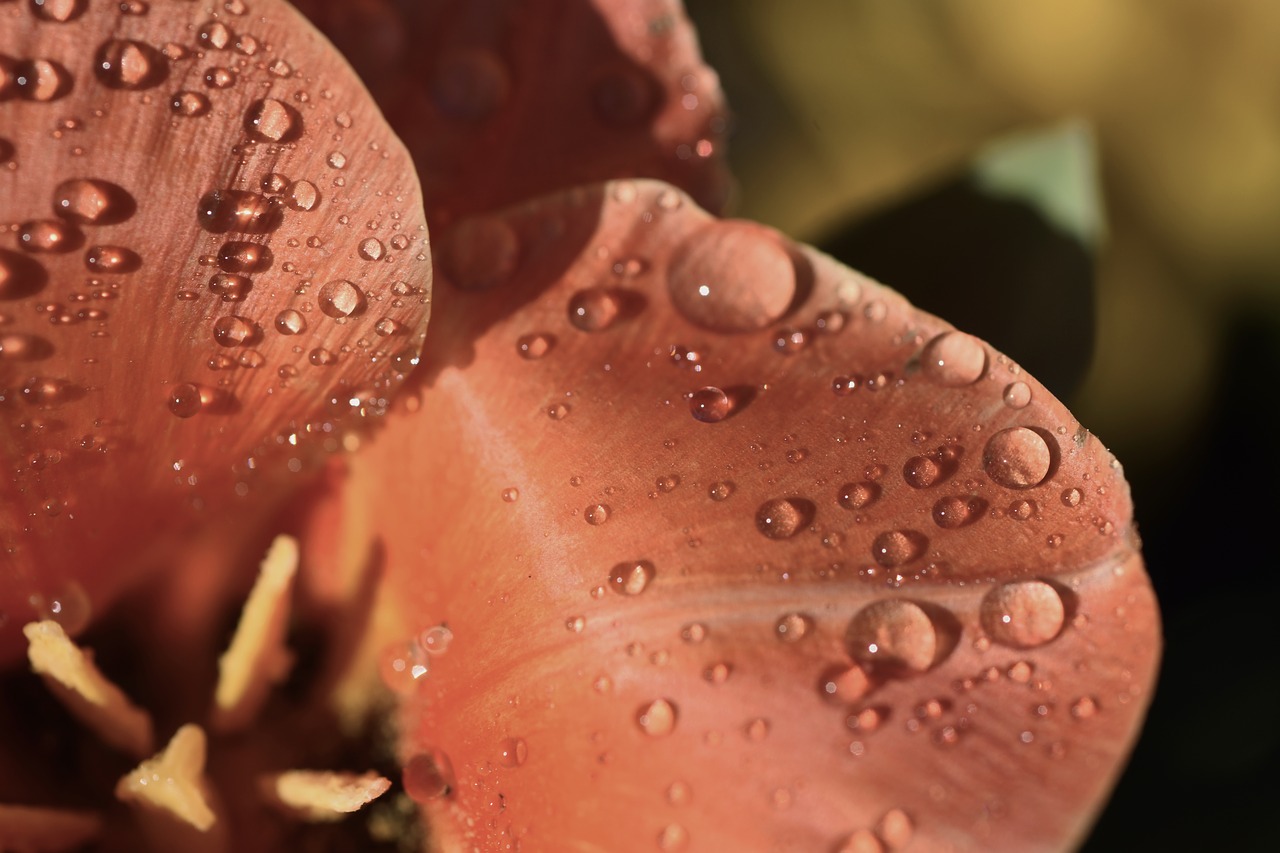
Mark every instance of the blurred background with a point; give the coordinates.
(1094, 187)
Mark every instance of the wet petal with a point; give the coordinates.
(218, 257)
(695, 536)
(500, 102)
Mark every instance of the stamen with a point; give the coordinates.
(70, 674)
(173, 782)
(257, 657)
(44, 830)
(321, 795)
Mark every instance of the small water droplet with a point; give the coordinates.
(732, 276)
(290, 322)
(694, 632)
(845, 684)
(673, 837)
(241, 257)
(594, 309)
(1017, 458)
(860, 841)
(632, 577)
(111, 260)
(59, 11)
(513, 752)
(49, 236)
(16, 346)
(895, 827)
(435, 640)
(270, 120)
(1071, 497)
(596, 514)
(1084, 707)
(710, 405)
(782, 518)
(658, 718)
(234, 331)
(921, 472)
(792, 627)
(371, 249)
(1023, 614)
(302, 195)
(340, 298)
(954, 511)
(511, 495)
(855, 496)
(185, 400)
(895, 634)
(720, 491)
(789, 341)
(953, 359)
(220, 211)
(717, 673)
(1017, 395)
(232, 288)
(757, 729)
(895, 548)
(214, 34)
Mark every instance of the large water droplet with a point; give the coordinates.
(185, 400)
(233, 331)
(290, 322)
(232, 288)
(631, 577)
(1023, 614)
(710, 404)
(269, 120)
(90, 201)
(658, 718)
(247, 212)
(1017, 458)
(732, 276)
(953, 359)
(955, 511)
(60, 11)
(124, 64)
(20, 276)
(40, 80)
(428, 776)
(594, 309)
(895, 548)
(855, 496)
(596, 514)
(341, 298)
(302, 195)
(782, 518)
(921, 472)
(895, 634)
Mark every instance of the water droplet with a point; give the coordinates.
(717, 673)
(895, 548)
(896, 828)
(218, 77)
(290, 322)
(658, 718)
(757, 729)
(632, 577)
(895, 634)
(789, 341)
(39, 80)
(511, 495)
(921, 472)
(594, 309)
(240, 257)
(60, 11)
(435, 640)
(89, 201)
(720, 491)
(596, 514)
(185, 400)
(953, 359)
(732, 276)
(1023, 614)
(1017, 395)
(792, 627)
(845, 684)
(69, 606)
(1084, 707)
(427, 777)
(575, 624)
(270, 120)
(220, 211)
(1018, 458)
(480, 252)
(371, 249)
(232, 288)
(513, 752)
(855, 496)
(302, 195)
(1071, 497)
(340, 298)
(49, 236)
(386, 327)
(673, 837)
(16, 346)
(694, 632)
(214, 34)
(189, 104)
(469, 84)
(710, 405)
(111, 259)
(954, 511)
(124, 64)
(782, 518)
(861, 841)
(233, 331)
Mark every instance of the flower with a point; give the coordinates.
(676, 533)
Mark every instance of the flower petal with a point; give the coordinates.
(501, 101)
(219, 253)
(699, 538)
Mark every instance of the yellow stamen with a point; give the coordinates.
(320, 795)
(173, 781)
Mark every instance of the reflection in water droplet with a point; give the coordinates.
(594, 309)
(732, 276)
(953, 359)
(631, 578)
(1023, 614)
(427, 776)
(792, 627)
(1017, 458)
(895, 548)
(185, 400)
(658, 718)
(782, 518)
(710, 405)
(895, 634)
(340, 298)
(513, 752)
(270, 120)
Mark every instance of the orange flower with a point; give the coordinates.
(678, 535)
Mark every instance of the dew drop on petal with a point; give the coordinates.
(855, 496)
(1023, 614)
(270, 120)
(1017, 458)
(631, 577)
(1016, 395)
(710, 405)
(895, 548)
(290, 322)
(658, 718)
(427, 776)
(953, 359)
(895, 633)
(792, 627)
(513, 752)
(921, 472)
(90, 201)
(732, 276)
(185, 400)
(340, 298)
(782, 518)
(844, 684)
(594, 309)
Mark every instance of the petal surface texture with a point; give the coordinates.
(698, 540)
(217, 254)
(502, 100)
